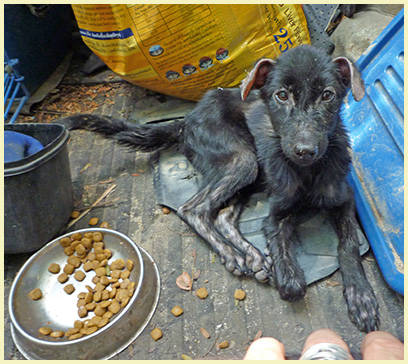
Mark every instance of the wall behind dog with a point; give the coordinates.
(182, 49)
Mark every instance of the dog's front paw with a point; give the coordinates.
(259, 267)
(233, 261)
(362, 307)
(289, 280)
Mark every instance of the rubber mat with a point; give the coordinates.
(175, 181)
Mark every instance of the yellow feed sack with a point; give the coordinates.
(183, 49)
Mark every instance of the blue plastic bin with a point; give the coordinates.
(377, 133)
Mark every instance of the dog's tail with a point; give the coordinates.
(145, 138)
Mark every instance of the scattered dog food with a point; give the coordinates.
(74, 214)
(186, 357)
(202, 293)
(223, 345)
(166, 210)
(239, 294)
(177, 311)
(35, 294)
(104, 224)
(54, 268)
(156, 334)
(93, 221)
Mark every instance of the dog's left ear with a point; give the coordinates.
(350, 77)
(257, 77)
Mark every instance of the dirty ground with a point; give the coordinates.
(97, 164)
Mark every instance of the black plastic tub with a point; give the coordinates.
(37, 190)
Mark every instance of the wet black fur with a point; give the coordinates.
(296, 150)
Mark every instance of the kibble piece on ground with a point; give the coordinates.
(54, 268)
(69, 288)
(74, 214)
(35, 294)
(177, 311)
(104, 224)
(63, 277)
(165, 210)
(223, 345)
(93, 221)
(156, 334)
(202, 293)
(239, 294)
(79, 275)
(45, 330)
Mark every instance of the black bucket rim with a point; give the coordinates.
(35, 160)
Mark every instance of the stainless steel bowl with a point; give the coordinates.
(58, 310)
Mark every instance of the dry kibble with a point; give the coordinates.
(112, 293)
(186, 357)
(114, 307)
(99, 311)
(69, 268)
(87, 243)
(101, 257)
(72, 331)
(89, 330)
(75, 336)
(125, 284)
(104, 304)
(156, 334)
(75, 261)
(108, 253)
(90, 306)
(57, 333)
(125, 302)
(95, 279)
(117, 264)
(223, 345)
(35, 294)
(78, 324)
(101, 271)
(65, 242)
(80, 249)
(45, 330)
(82, 311)
(205, 333)
(115, 273)
(129, 265)
(97, 236)
(81, 295)
(99, 286)
(76, 236)
(177, 311)
(105, 295)
(165, 210)
(79, 275)
(202, 293)
(88, 266)
(104, 224)
(93, 221)
(107, 315)
(99, 245)
(69, 250)
(88, 297)
(239, 294)
(97, 296)
(89, 235)
(75, 243)
(103, 322)
(69, 288)
(125, 274)
(103, 263)
(104, 280)
(54, 268)
(74, 214)
(62, 278)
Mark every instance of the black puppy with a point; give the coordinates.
(285, 138)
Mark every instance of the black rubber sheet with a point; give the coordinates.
(176, 181)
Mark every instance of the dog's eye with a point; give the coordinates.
(282, 96)
(327, 95)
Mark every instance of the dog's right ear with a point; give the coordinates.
(257, 77)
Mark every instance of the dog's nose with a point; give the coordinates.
(304, 151)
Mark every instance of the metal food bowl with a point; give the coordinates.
(58, 310)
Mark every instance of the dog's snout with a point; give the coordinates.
(305, 151)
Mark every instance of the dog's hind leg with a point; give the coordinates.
(226, 223)
(361, 302)
(201, 210)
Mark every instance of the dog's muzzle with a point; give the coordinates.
(305, 154)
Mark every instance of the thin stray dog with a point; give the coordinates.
(280, 132)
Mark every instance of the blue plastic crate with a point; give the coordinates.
(15, 92)
(376, 129)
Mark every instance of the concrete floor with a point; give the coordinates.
(97, 163)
